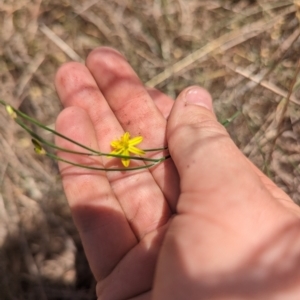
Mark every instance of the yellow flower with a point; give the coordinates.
(125, 145)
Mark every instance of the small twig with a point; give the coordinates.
(60, 43)
(288, 98)
(281, 52)
(283, 111)
(258, 79)
(28, 73)
(85, 7)
(96, 20)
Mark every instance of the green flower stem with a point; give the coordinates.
(155, 149)
(26, 117)
(44, 142)
(55, 157)
(93, 152)
(226, 122)
(19, 113)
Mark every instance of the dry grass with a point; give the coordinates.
(245, 52)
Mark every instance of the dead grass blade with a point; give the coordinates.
(60, 43)
(221, 44)
(28, 73)
(258, 79)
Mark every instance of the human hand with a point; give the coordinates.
(227, 233)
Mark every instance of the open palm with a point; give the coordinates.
(121, 216)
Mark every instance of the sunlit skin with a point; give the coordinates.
(206, 224)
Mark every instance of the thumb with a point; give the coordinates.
(206, 158)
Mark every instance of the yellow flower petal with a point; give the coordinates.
(125, 162)
(115, 144)
(135, 141)
(125, 137)
(136, 150)
(116, 151)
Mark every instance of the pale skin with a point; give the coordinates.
(205, 224)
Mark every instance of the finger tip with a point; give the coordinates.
(68, 79)
(195, 95)
(65, 71)
(103, 56)
(112, 72)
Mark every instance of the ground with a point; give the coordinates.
(246, 53)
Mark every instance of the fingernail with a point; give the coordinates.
(198, 96)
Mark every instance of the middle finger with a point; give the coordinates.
(142, 201)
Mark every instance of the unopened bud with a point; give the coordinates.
(11, 112)
(38, 149)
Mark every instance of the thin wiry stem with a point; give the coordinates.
(57, 158)
(37, 140)
(51, 145)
